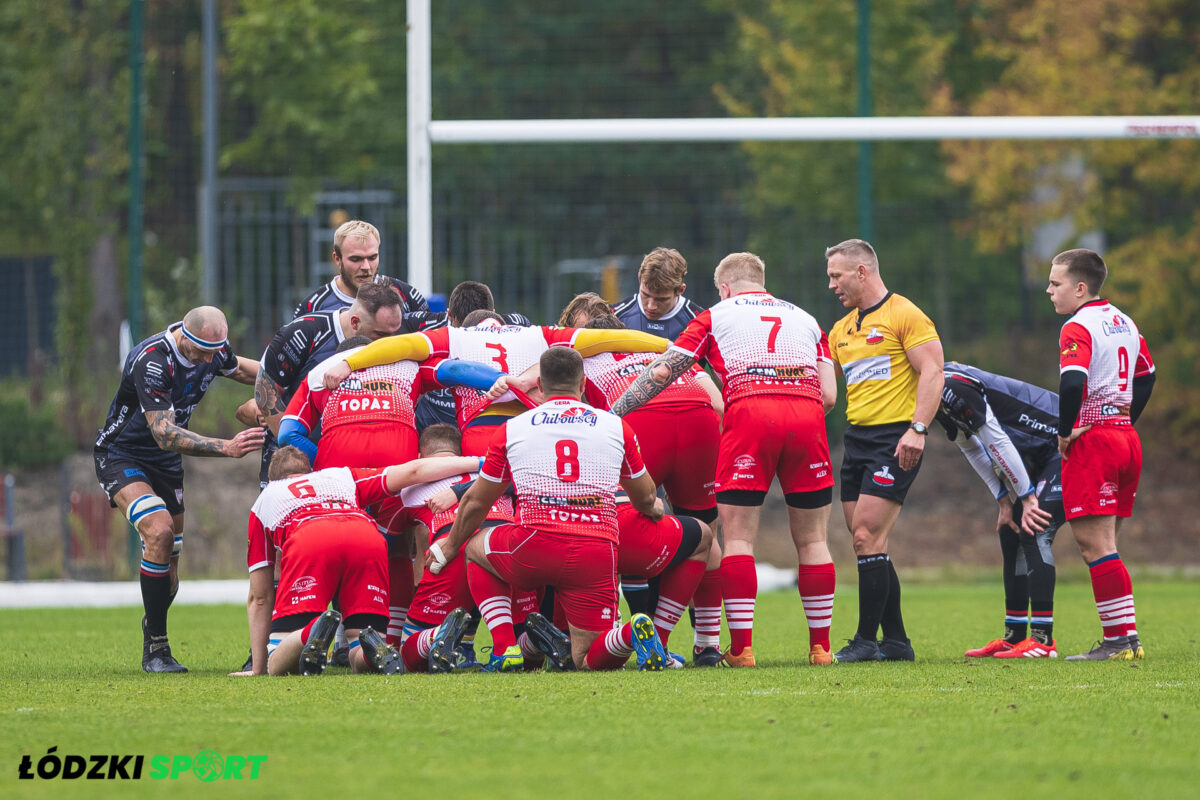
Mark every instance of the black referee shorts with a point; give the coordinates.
(869, 464)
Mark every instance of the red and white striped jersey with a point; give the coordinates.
(566, 461)
(610, 374)
(758, 344)
(1104, 344)
(287, 504)
(509, 348)
(385, 393)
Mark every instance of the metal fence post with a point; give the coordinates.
(16, 537)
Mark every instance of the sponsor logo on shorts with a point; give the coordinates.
(1076, 509)
(874, 336)
(883, 477)
(1108, 489)
(134, 472)
(745, 461)
(606, 613)
(742, 476)
(440, 599)
(373, 588)
(179, 496)
(303, 584)
(821, 473)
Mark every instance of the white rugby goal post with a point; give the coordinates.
(424, 132)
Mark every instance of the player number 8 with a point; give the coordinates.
(567, 464)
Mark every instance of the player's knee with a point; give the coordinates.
(706, 540)
(148, 514)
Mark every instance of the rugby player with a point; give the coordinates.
(773, 361)
(1106, 376)
(327, 549)
(138, 452)
(1007, 430)
(565, 461)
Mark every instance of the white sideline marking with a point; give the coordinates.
(114, 594)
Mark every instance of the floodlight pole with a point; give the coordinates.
(420, 168)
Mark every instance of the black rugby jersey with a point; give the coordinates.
(327, 297)
(629, 311)
(295, 349)
(157, 377)
(1028, 413)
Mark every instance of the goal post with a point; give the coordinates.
(423, 132)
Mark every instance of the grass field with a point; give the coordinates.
(942, 727)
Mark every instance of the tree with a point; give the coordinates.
(66, 163)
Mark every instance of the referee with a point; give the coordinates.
(891, 357)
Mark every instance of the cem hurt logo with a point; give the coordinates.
(874, 336)
(883, 477)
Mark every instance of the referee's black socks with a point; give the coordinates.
(874, 586)
(893, 621)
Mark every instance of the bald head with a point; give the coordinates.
(207, 322)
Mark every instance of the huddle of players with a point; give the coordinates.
(545, 513)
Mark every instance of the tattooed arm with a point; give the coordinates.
(269, 397)
(180, 440)
(657, 376)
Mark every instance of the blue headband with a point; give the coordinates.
(201, 343)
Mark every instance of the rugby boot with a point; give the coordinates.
(897, 650)
(315, 652)
(706, 656)
(443, 655)
(675, 661)
(651, 656)
(1117, 649)
(378, 653)
(510, 660)
(858, 649)
(465, 653)
(340, 657)
(156, 653)
(1030, 648)
(818, 656)
(249, 665)
(990, 649)
(550, 641)
(742, 659)
(1135, 646)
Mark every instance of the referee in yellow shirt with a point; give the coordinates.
(891, 357)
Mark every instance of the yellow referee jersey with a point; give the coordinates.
(881, 386)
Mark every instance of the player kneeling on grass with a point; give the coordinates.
(565, 461)
(327, 547)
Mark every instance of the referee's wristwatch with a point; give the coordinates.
(920, 427)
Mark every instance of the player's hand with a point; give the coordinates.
(249, 673)
(909, 449)
(498, 390)
(336, 374)
(439, 554)
(1064, 443)
(1004, 519)
(442, 501)
(657, 511)
(247, 441)
(1034, 518)
(249, 415)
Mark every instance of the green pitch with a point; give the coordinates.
(942, 727)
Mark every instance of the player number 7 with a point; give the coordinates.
(776, 324)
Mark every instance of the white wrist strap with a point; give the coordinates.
(439, 558)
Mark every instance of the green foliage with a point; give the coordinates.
(30, 437)
(942, 727)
